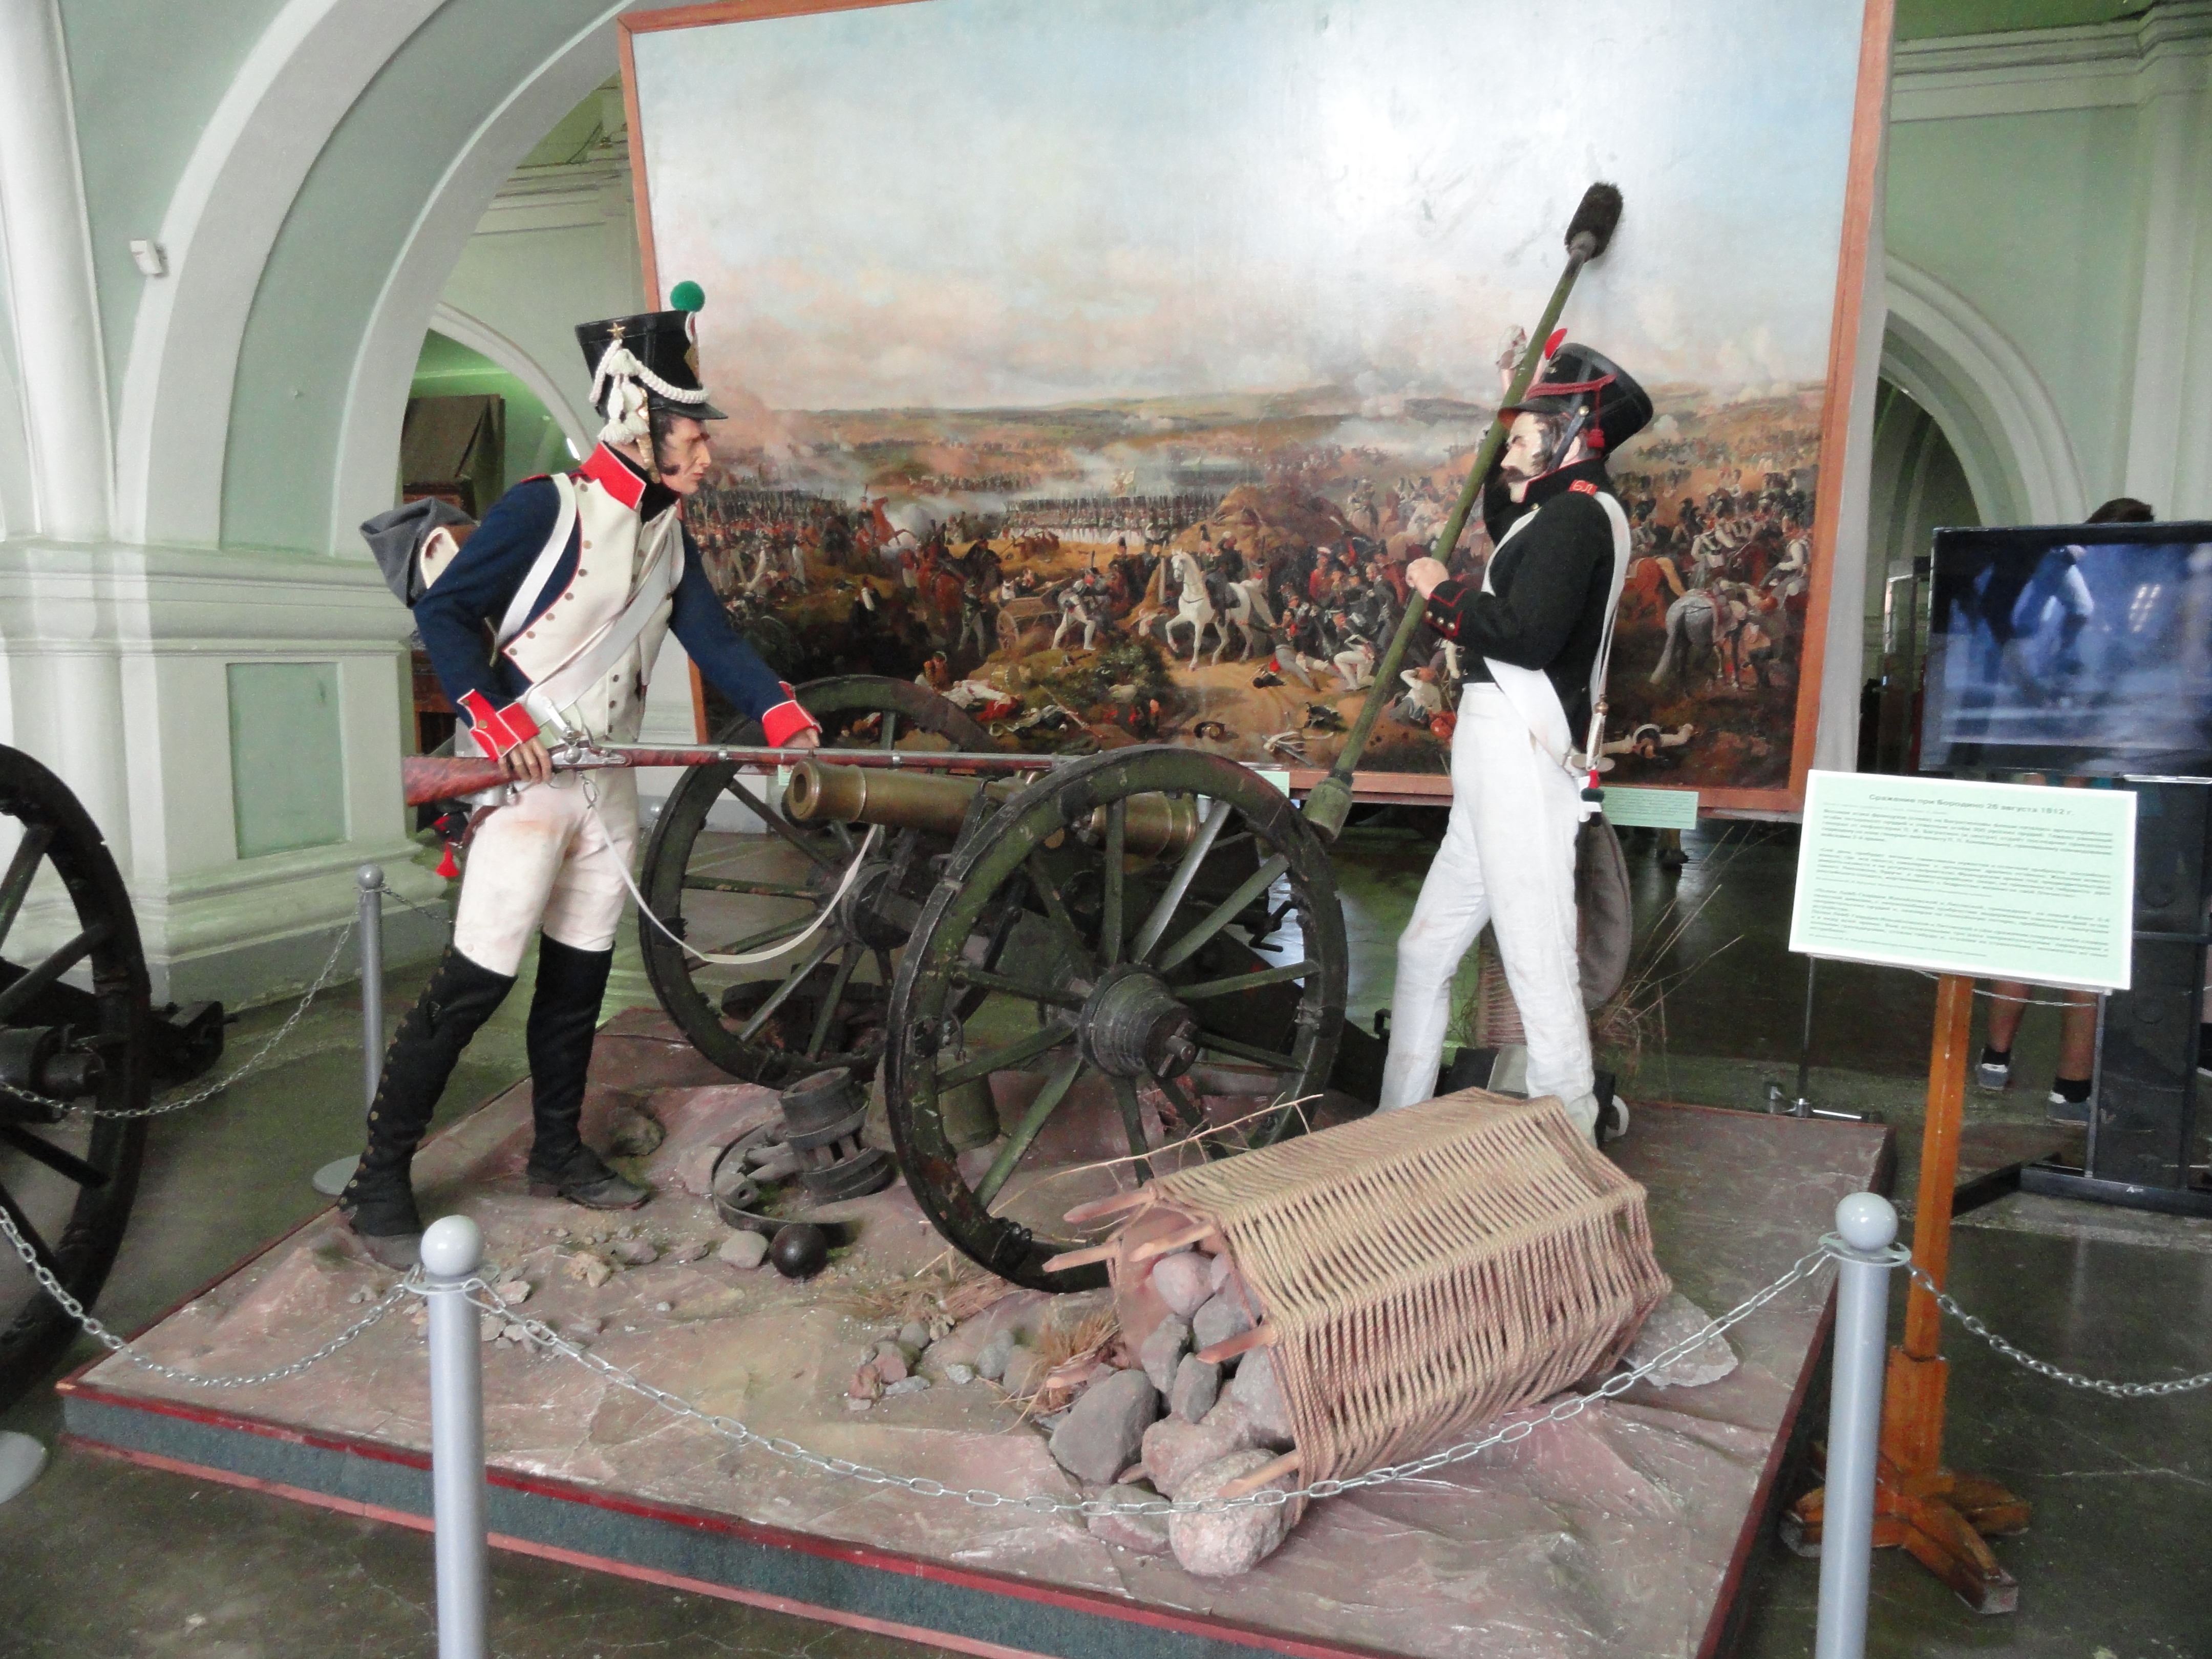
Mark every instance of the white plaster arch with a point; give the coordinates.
(304, 73)
(486, 341)
(384, 365)
(2001, 421)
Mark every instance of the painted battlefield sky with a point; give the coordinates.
(979, 203)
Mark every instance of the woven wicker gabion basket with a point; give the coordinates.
(1414, 1274)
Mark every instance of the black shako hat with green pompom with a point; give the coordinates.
(646, 364)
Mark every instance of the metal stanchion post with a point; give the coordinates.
(453, 1249)
(1866, 1223)
(371, 878)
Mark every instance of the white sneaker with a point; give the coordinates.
(1994, 1074)
(1613, 1124)
(1582, 1112)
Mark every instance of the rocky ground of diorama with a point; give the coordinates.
(899, 1356)
(1160, 1422)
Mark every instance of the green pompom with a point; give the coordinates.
(688, 296)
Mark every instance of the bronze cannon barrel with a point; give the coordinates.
(820, 794)
(823, 793)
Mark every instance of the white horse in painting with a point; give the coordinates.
(1195, 607)
(1248, 606)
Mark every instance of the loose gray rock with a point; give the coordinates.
(1176, 1450)
(631, 1133)
(1146, 1535)
(1099, 1436)
(1260, 1391)
(1222, 1317)
(1222, 1543)
(1180, 1279)
(1197, 1386)
(914, 1335)
(907, 1385)
(635, 1252)
(1676, 1320)
(959, 1374)
(746, 1250)
(1220, 1270)
(991, 1358)
(1160, 1353)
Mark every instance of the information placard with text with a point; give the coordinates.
(1996, 880)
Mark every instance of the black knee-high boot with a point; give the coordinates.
(380, 1199)
(564, 1016)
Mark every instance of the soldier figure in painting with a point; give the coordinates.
(1533, 631)
(577, 578)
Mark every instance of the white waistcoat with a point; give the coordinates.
(616, 549)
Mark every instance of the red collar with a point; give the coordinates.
(614, 475)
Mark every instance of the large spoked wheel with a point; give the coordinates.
(819, 1004)
(74, 1030)
(1118, 925)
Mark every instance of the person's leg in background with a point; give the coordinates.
(2008, 1002)
(2069, 1099)
(2077, 1059)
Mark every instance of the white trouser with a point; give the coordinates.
(548, 860)
(1508, 858)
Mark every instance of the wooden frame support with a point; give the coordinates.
(1940, 1517)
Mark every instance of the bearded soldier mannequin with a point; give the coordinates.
(577, 578)
(1530, 638)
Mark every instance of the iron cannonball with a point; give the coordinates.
(800, 1250)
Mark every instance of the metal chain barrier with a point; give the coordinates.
(114, 1344)
(1992, 996)
(2044, 1368)
(1044, 1503)
(262, 1056)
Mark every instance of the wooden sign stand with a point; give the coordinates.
(1940, 1517)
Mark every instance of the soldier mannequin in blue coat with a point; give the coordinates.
(543, 629)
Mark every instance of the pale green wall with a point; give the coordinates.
(2036, 220)
(339, 243)
(146, 76)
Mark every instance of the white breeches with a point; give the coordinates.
(548, 860)
(1508, 858)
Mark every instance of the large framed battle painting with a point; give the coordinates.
(1103, 363)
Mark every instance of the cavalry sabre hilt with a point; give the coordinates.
(1330, 802)
(426, 778)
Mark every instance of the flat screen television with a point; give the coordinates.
(2076, 648)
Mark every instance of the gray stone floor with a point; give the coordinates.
(100, 1559)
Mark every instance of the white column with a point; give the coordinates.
(2173, 150)
(52, 302)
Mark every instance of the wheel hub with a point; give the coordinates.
(1132, 1026)
(873, 910)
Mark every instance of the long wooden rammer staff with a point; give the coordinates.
(1588, 232)
(428, 779)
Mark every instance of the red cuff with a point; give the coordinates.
(780, 724)
(498, 729)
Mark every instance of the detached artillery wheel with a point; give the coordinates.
(74, 1030)
(820, 1004)
(1110, 927)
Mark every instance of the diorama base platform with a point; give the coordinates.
(1624, 1531)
